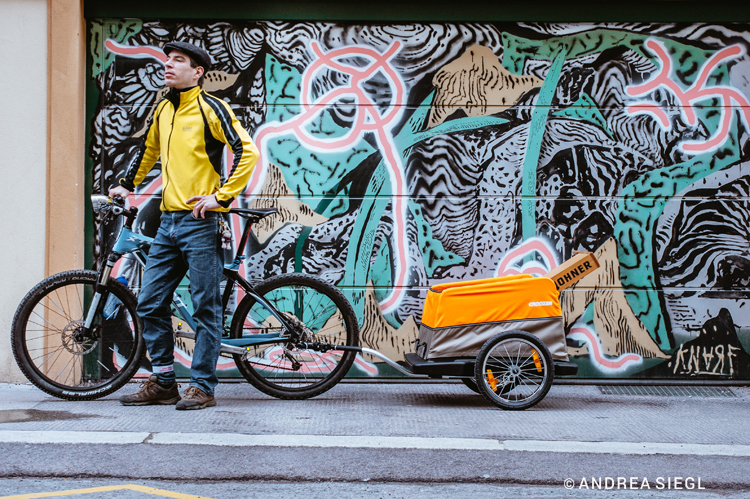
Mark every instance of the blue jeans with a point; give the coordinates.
(184, 243)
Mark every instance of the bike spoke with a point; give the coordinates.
(51, 310)
(48, 357)
(63, 311)
(498, 362)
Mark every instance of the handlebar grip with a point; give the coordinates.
(130, 216)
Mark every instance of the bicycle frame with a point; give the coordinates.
(129, 242)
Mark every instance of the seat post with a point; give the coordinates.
(251, 216)
(243, 239)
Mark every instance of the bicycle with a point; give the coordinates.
(76, 334)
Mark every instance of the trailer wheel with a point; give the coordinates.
(514, 370)
(470, 384)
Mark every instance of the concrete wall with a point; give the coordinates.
(23, 146)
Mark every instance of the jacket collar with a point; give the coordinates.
(179, 96)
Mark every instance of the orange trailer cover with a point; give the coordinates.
(491, 300)
(459, 317)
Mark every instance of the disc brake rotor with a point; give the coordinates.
(73, 340)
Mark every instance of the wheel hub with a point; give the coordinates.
(75, 340)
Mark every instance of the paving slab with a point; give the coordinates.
(428, 410)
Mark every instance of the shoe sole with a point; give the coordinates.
(154, 402)
(211, 403)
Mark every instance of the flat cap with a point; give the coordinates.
(196, 53)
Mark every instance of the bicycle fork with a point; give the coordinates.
(97, 298)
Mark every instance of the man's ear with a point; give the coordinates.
(199, 73)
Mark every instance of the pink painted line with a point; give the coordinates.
(697, 92)
(597, 354)
(533, 245)
(380, 124)
(140, 51)
(137, 199)
(365, 366)
(716, 59)
(535, 270)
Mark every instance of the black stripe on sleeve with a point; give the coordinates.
(225, 204)
(214, 147)
(225, 119)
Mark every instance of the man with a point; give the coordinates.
(188, 131)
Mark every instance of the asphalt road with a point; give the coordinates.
(92, 489)
(382, 440)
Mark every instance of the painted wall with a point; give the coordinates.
(23, 130)
(402, 156)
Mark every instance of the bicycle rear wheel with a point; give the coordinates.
(58, 356)
(320, 311)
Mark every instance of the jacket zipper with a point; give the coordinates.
(169, 151)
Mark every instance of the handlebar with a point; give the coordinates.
(106, 207)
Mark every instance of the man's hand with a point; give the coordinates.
(119, 191)
(202, 204)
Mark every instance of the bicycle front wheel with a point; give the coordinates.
(320, 313)
(58, 355)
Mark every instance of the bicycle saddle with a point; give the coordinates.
(254, 214)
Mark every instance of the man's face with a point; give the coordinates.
(178, 73)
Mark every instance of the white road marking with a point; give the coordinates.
(631, 448)
(357, 442)
(73, 437)
(369, 442)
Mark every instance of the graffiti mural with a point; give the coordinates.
(403, 156)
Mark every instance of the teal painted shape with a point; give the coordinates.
(588, 315)
(337, 203)
(584, 109)
(358, 269)
(410, 135)
(516, 50)
(283, 83)
(298, 248)
(310, 173)
(363, 237)
(534, 145)
(307, 172)
(459, 125)
(642, 205)
(434, 255)
(382, 279)
(120, 31)
(362, 240)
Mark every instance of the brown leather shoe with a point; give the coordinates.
(195, 398)
(151, 393)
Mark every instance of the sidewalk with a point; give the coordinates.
(568, 413)
(382, 431)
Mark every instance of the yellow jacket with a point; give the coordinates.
(188, 130)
